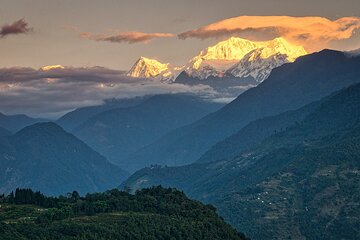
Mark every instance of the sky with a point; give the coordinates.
(72, 32)
(98, 40)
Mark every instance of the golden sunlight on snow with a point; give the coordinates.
(51, 67)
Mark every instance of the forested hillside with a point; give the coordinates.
(155, 213)
(300, 183)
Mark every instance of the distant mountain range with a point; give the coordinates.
(281, 161)
(122, 129)
(178, 129)
(45, 157)
(288, 87)
(14, 123)
(73, 119)
(234, 58)
(300, 182)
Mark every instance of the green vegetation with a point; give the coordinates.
(307, 191)
(154, 213)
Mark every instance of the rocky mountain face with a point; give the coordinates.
(230, 56)
(153, 69)
(255, 66)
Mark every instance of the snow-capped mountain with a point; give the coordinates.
(151, 68)
(51, 67)
(237, 54)
(215, 60)
(234, 57)
(255, 66)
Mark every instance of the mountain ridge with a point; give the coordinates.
(74, 118)
(45, 157)
(14, 123)
(118, 132)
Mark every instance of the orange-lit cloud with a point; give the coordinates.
(312, 32)
(18, 27)
(127, 37)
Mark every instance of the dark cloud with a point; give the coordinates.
(18, 27)
(127, 37)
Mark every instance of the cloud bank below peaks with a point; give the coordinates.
(51, 91)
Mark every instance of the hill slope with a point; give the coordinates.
(300, 183)
(4, 132)
(255, 132)
(45, 157)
